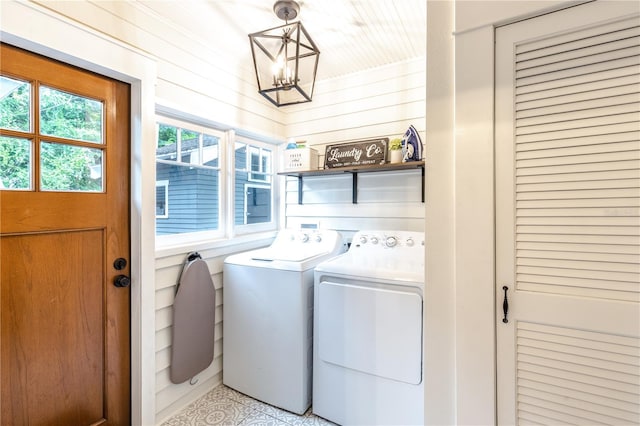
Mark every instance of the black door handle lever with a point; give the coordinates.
(505, 305)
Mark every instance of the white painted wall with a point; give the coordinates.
(439, 299)
(472, 14)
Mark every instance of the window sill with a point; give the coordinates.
(166, 250)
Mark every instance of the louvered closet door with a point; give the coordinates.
(568, 217)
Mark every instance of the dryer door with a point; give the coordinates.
(372, 330)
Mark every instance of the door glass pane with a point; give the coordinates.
(70, 116)
(15, 102)
(15, 163)
(70, 168)
(167, 142)
(189, 147)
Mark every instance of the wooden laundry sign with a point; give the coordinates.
(361, 153)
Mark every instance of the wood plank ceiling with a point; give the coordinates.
(352, 35)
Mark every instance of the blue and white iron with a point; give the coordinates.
(411, 145)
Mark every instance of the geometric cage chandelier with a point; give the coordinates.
(285, 59)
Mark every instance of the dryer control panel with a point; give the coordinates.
(395, 257)
(378, 240)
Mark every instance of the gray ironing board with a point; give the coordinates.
(193, 321)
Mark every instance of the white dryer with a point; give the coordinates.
(268, 317)
(367, 367)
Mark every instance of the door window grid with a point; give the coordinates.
(63, 162)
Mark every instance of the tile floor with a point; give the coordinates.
(225, 406)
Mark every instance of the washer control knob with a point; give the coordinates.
(363, 240)
(304, 238)
(318, 238)
(410, 242)
(374, 240)
(391, 242)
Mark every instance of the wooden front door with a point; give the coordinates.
(568, 217)
(64, 222)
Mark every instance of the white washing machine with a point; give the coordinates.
(268, 317)
(367, 367)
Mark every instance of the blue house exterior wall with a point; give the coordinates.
(193, 199)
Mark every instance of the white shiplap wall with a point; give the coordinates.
(386, 200)
(374, 103)
(379, 102)
(171, 397)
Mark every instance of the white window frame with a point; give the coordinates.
(251, 177)
(255, 184)
(167, 241)
(163, 183)
(265, 226)
(227, 229)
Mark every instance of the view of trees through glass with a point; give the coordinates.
(63, 166)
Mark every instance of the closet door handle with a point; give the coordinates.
(505, 305)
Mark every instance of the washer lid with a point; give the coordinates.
(281, 254)
(292, 250)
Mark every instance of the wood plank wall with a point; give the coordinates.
(170, 397)
(374, 103)
(380, 102)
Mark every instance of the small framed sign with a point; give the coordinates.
(361, 153)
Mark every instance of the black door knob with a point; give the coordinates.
(122, 281)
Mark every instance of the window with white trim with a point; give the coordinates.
(188, 160)
(253, 183)
(194, 191)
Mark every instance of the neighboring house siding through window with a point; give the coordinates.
(190, 184)
(192, 202)
(253, 184)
